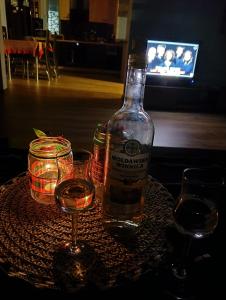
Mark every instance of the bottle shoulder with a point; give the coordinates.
(128, 124)
(136, 121)
(130, 115)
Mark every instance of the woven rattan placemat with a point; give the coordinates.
(31, 232)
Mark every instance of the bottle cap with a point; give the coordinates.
(138, 61)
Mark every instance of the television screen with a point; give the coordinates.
(171, 59)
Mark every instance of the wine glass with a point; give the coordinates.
(196, 217)
(75, 258)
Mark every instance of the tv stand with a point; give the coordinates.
(178, 98)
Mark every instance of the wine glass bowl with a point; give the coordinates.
(74, 195)
(195, 216)
(196, 211)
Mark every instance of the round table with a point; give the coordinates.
(31, 232)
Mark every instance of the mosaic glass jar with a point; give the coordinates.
(45, 156)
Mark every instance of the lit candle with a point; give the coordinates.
(43, 166)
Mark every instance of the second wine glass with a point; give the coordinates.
(196, 217)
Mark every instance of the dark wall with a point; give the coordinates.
(18, 21)
(198, 21)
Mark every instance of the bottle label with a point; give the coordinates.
(98, 163)
(127, 174)
(98, 171)
(128, 162)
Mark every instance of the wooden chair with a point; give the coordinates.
(48, 59)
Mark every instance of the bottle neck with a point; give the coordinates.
(134, 91)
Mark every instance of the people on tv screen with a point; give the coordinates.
(187, 62)
(179, 56)
(172, 60)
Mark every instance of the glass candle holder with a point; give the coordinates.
(45, 156)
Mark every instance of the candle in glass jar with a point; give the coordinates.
(44, 155)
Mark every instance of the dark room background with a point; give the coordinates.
(194, 21)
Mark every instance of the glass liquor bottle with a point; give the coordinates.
(129, 138)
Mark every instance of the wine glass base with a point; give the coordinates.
(178, 287)
(73, 266)
(177, 290)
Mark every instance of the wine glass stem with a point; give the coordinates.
(74, 219)
(180, 268)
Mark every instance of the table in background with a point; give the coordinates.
(23, 47)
